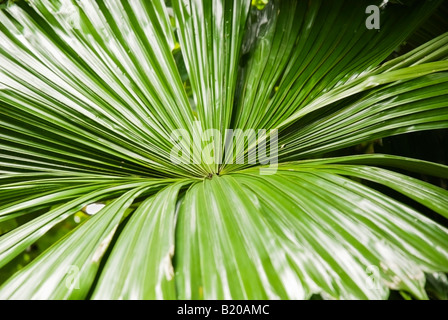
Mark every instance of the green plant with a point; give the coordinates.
(90, 92)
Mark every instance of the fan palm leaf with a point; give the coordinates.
(91, 92)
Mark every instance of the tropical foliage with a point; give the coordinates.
(91, 90)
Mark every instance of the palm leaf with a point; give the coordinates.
(92, 91)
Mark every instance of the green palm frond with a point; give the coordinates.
(91, 92)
